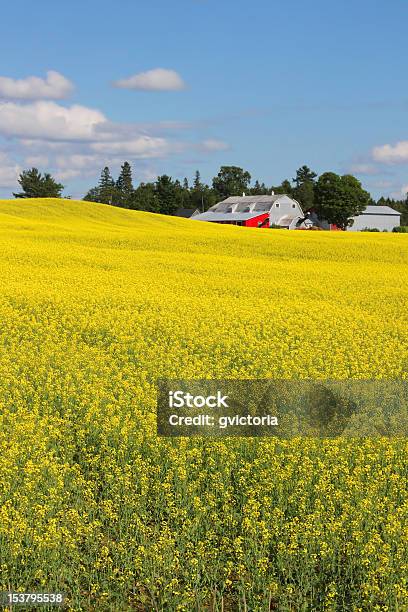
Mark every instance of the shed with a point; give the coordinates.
(383, 218)
(186, 213)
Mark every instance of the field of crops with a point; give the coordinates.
(96, 303)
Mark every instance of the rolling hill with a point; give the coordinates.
(97, 303)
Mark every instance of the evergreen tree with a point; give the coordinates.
(259, 189)
(105, 192)
(305, 183)
(166, 191)
(36, 185)
(106, 187)
(124, 185)
(304, 175)
(202, 196)
(197, 181)
(256, 189)
(106, 181)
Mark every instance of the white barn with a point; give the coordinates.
(281, 209)
(382, 218)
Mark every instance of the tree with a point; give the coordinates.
(183, 194)
(400, 205)
(197, 193)
(36, 185)
(106, 181)
(167, 193)
(197, 184)
(201, 195)
(287, 187)
(124, 185)
(145, 198)
(92, 195)
(339, 198)
(106, 191)
(304, 175)
(284, 187)
(259, 189)
(304, 191)
(231, 180)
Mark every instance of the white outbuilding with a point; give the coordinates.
(382, 218)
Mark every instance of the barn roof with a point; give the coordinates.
(252, 199)
(287, 219)
(380, 210)
(186, 212)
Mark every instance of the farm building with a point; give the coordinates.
(186, 213)
(280, 210)
(255, 211)
(383, 218)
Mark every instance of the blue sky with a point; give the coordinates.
(265, 85)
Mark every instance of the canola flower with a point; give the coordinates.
(96, 304)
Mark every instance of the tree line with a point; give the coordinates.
(333, 197)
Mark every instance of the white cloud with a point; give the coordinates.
(77, 161)
(47, 125)
(48, 120)
(55, 86)
(147, 175)
(211, 144)
(37, 161)
(142, 146)
(65, 175)
(402, 193)
(73, 165)
(383, 184)
(9, 171)
(391, 154)
(367, 169)
(76, 141)
(158, 79)
(39, 145)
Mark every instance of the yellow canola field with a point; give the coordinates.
(96, 303)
